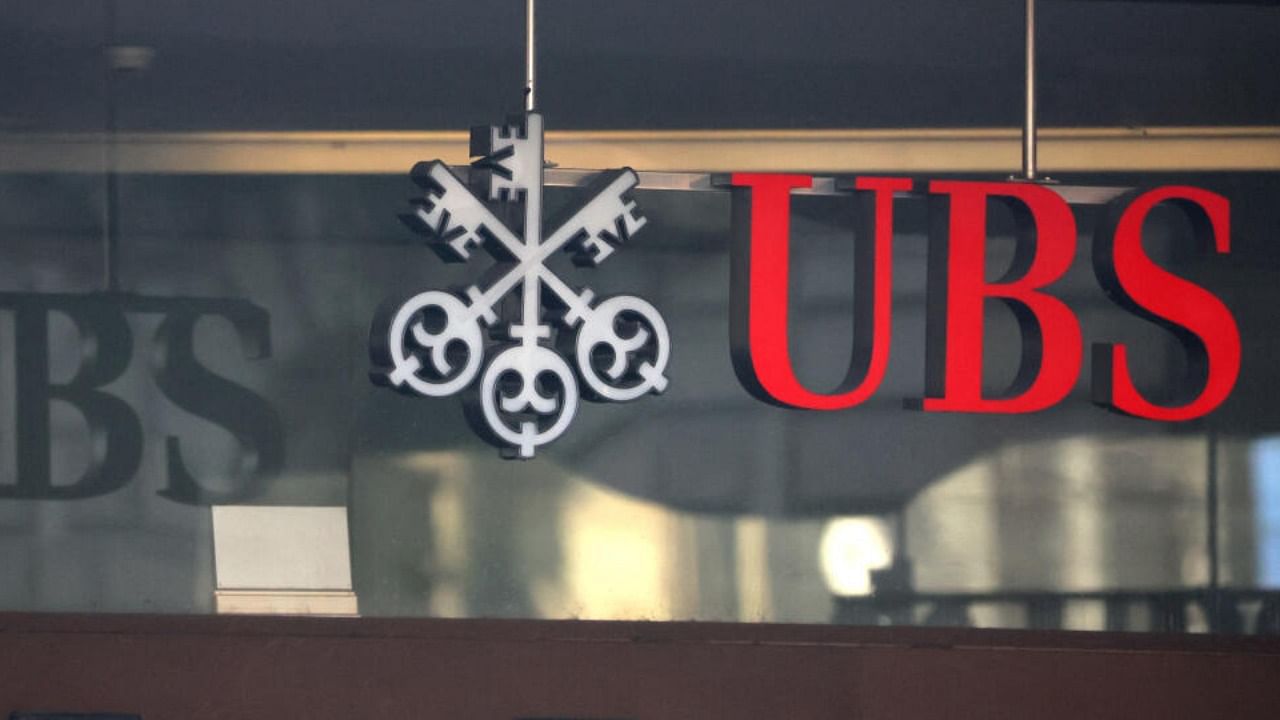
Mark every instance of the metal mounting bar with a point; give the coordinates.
(530, 55)
(823, 152)
(1029, 122)
(822, 185)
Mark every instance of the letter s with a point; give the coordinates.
(194, 388)
(1201, 322)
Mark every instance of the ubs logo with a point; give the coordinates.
(433, 344)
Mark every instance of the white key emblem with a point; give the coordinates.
(434, 344)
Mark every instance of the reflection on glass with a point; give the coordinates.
(223, 342)
(851, 548)
(1266, 489)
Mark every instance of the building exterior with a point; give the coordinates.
(767, 446)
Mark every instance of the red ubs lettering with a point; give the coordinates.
(1052, 346)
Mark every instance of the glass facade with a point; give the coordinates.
(182, 330)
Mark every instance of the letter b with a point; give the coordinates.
(115, 434)
(1052, 348)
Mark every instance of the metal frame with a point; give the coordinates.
(954, 150)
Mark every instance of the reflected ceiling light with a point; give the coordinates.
(851, 547)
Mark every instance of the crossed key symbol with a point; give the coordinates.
(433, 344)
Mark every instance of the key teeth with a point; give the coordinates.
(461, 246)
(455, 250)
(594, 246)
(516, 127)
(592, 251)
(513, 190)
(484, 138)
(633, 220)
(502, 192)
(450, 253)
(510, 157)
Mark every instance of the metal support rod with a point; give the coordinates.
(1029, 127)
(111, 191)
(1211, 513)
(530, 56)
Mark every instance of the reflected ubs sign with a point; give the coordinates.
(114, 428)
(1051, 344)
